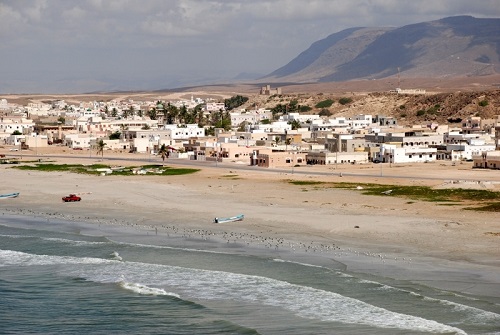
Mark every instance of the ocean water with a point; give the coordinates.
(57, 279)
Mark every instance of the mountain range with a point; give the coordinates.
(450, 47)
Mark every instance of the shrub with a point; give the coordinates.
(483, 103)
(324, 104)
(325, 112)
(345, 101)
(420, 112)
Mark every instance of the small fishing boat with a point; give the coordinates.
(239, 217)
(9, 195)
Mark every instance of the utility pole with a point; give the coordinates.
(399, 80)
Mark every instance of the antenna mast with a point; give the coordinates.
(399, 81)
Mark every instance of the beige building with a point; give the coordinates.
(328, 158)
(488, 160)
(278, 159)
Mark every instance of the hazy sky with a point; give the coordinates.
(72, 46)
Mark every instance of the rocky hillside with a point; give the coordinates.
(442, 108)
(454, 46)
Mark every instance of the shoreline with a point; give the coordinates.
(433, 245)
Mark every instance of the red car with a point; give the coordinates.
(71, 198)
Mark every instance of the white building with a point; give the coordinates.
(251, 117)
(4, 104)
(215, 106)
(184, 133)
(8, 125)
(390, 153)
(302, 118)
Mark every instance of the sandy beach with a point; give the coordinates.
(441, 246)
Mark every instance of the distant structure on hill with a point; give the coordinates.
(267, 90)
(414, 91)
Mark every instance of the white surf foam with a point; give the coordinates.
(12, 258)
(146, 290)
(279, 260)
(301, 300)
(116, 255)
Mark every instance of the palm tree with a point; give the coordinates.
(163, 152)
(288, 141)
(172, 113)
(277, 139)
(153, 113)
(100, 147)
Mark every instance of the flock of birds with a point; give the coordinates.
(230, 238)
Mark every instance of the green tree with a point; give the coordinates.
(125, 113)
(288, 141)
(115, 136)
(483, 103)
(16, 132)
(172, 113)
(235, 102)
(210, 131)
(243, 126)
(100, 147)
(325, 112)
(278, 110)
(295, 124)
(183, 114)
(152, 113)
(123, 128)
(61, 119)
(163, 152)
(304, 109)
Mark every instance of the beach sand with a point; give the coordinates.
(441, 246)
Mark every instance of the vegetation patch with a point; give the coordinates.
(231, 176)
(306, 182)
(451, 197)
(97, 169)
(345, 101)
(324, 104)
(490, 207)
(492, 233)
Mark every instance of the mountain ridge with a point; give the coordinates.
(452, 46)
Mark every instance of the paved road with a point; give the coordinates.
(384, 172)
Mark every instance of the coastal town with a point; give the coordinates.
(206, 129)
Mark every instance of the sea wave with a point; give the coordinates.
(303, 301)
(146, 290)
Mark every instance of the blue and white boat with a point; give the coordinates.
(239, 217)
(9, 195)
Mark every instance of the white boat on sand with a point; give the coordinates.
(9, 195)
(239, 217)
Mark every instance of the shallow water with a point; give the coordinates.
(53, 279)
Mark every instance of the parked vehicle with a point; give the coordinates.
(71, 198)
